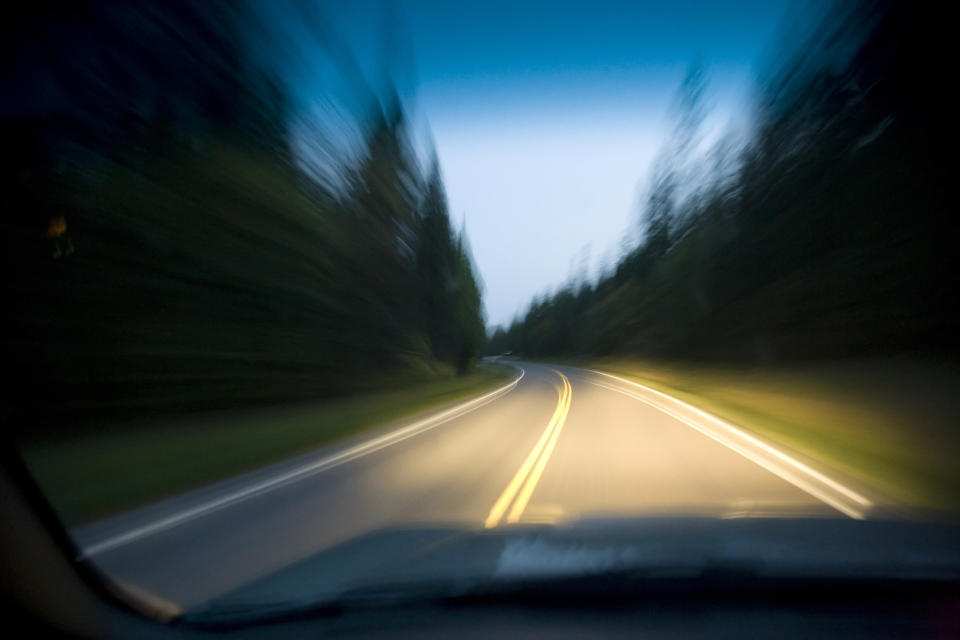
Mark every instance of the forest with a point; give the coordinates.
(185, 228)
(825, 233)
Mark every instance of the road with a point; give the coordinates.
(560, 443)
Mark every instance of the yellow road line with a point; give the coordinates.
(534, 477)
(500, 506)
(539, 457)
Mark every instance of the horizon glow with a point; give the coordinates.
(546, 117)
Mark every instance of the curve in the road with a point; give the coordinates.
(523, 483)
(293, 475)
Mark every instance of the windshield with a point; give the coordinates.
(298, 293)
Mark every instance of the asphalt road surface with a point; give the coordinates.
(556, 443)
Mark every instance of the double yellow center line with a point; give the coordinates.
(525, 481)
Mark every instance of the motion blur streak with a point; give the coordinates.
(540, 455)
(300, 473)
(801, 475)
(212, 206)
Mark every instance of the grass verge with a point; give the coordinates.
(90, 475)
(894, 425)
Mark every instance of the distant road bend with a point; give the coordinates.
(553, 444)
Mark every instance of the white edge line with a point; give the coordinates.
(786, 474)
(357, 451)
(813, 472)
(771, 466)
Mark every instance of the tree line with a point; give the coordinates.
(826, 233)
(181, 233)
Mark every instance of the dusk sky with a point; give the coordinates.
(546, 117)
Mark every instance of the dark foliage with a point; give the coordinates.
(829, 234)
(168, 247)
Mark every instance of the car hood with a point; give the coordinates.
(404, 563)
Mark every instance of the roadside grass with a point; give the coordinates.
(891, 424)
(91, 474)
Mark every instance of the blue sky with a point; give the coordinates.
(546, 116)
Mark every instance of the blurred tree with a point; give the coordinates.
(822, 236)
(207, 264)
